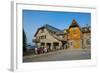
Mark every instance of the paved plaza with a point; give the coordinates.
(60, 55)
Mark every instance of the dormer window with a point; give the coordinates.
(65, 31)
(85, 29)
(89, 29)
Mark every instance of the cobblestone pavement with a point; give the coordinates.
(60, 55)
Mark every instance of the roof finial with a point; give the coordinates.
(74, 24)
(74, 21)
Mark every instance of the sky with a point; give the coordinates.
(33, 19)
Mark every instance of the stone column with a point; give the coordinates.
(45, 45)
(60, 45)
(51, 47)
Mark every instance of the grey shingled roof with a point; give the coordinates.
(86, 29)
(50, 28)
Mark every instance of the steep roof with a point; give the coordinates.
(50, 28)
(86, 29)
(74, 24)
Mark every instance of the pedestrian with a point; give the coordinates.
(36, 51)
(45, 50)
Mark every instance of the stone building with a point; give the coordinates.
(86, 37)
(49, 37)
(78, 37)
(75, 37)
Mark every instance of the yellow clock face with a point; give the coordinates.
(75, 33)
(74, 30)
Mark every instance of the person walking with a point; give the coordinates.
(36, 51)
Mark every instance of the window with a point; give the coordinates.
(89, 29)
(71, 43)
(88, 42)
(43, 37)
(85, 29)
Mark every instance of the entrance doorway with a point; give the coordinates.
(49, 46)
(56, 45)
(42, 45)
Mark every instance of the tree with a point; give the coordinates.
(24, 42)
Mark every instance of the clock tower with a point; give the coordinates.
(75, 35)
